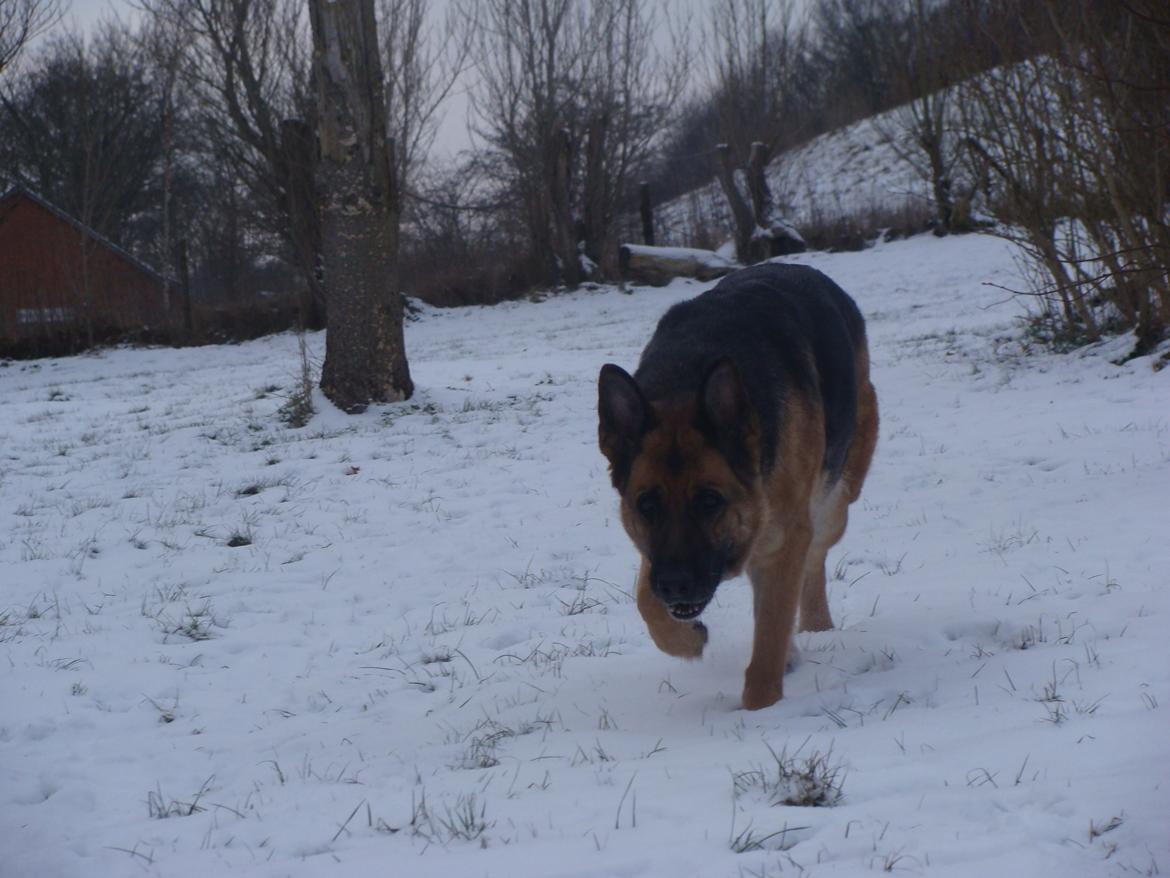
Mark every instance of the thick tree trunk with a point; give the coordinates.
(757, 182)
(940, 180)
(774, 236)
(540, 238)
(365, 352)
(741, 213)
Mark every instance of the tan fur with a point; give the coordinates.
(784, 530)
(831, 512)
(680, 639)
(777, 562)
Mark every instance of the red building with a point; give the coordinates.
(60, 278)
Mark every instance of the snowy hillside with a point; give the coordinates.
(839, 174)
(404, 643)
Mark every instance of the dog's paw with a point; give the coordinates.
(681, 640)
(757, 698)
(692, 641)
(795, 659)
(701, 630)
(761, 691)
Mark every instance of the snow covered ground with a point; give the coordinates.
(403, 643)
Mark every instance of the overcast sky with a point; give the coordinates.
(452, 135)
(86, 12)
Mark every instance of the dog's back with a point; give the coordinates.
(788, 328)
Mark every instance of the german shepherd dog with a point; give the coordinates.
(738, 445)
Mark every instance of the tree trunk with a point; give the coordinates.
(745, 225)
(542, 251)
(300, 163)
(757, 182)
(595, 195)
(365, 352)
(562, 208)
(940, 181)
(185, 291)
(87, 293)
(168, 151)
(233, 245)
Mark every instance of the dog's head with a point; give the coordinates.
(687, 469)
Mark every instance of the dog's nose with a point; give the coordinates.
(673, 585)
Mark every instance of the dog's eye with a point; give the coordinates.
(709, 501)
(647, 505)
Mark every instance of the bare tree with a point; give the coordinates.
(423, 59)
(245, 62)
(752, 47)
(571, 94)
(1075, 145)
(1113, 93)
(629, 100)
(80, 129)
(164, 42)
(922, 131)
(365, 354)
(1007, 120)
(532, 57)
(853, 38)
(20, 22)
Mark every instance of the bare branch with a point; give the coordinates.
(21, 21)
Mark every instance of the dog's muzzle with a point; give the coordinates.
(685, 594)
(686, 612)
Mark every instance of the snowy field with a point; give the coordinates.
(403, 644)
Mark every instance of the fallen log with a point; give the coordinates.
(658, 266)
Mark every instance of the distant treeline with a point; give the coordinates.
(187, 137)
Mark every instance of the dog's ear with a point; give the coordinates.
(725, 401)
(728, 418)
(623, 417)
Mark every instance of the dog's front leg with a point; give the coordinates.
(682, 639)
(776, 582)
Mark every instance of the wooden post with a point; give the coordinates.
(365, 351)
(647, 211)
